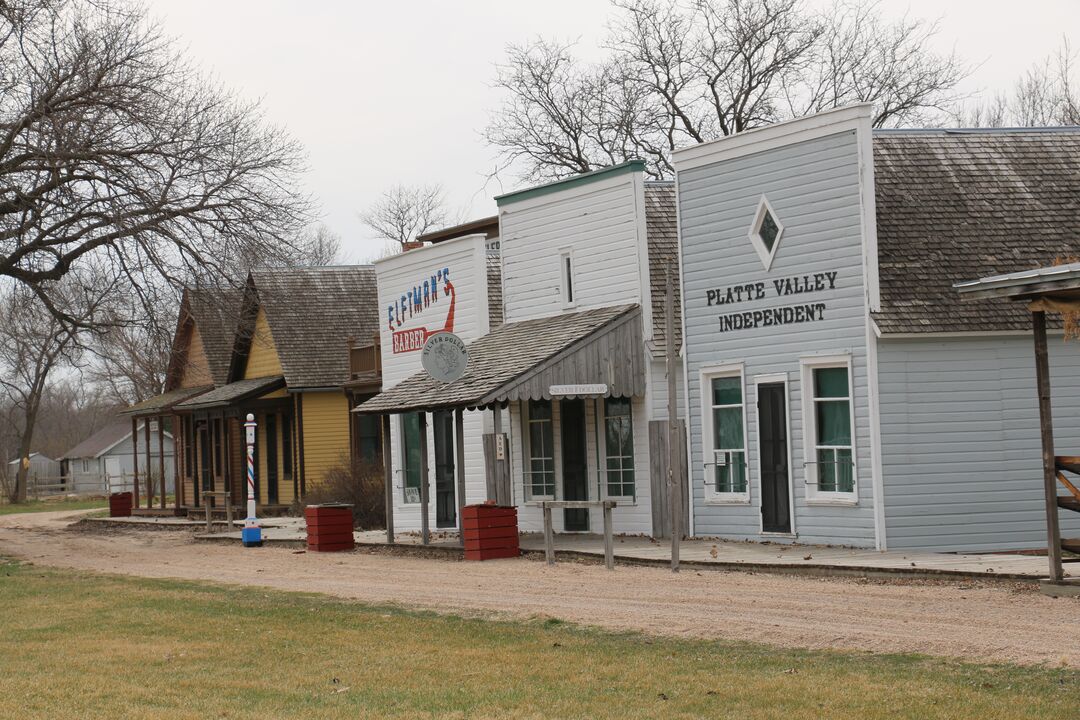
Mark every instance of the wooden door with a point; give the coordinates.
(772, 437)
(574, 463)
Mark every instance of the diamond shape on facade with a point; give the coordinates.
(765, 232)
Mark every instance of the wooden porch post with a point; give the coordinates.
(425, 531)
(135, 460)
(149, 473)
(388, 471)
(178, 462)
(673, 481)
(459, 465)
(1046, 428)
(161, 456)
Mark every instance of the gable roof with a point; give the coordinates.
(104, 440)
(313, 313)
(503, 362)
(662, 239)
(956, 205)
(217, 313)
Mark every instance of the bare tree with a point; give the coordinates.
(113, 148)
(35, 342)
(1047, 94)
(319, 245)
(405, 211)
(682, 73)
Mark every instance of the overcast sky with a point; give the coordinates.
(398, 92)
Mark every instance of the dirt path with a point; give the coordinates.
(986, 622)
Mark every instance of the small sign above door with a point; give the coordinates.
(586, 390)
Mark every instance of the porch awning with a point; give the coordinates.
(522, 360)
(233, 393)
(1056, 287)
(165, 402)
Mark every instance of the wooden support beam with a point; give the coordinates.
(549, 536)
(149, 473)
(1046, 428)
(1072, 488)
(459, 467)
(179, 447)
(425, 477)
(135, 461)
(609, 540)
(675, 486)
(161, 458)
(388, 470)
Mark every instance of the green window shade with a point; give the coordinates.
(727, 428)
(831, 382)
(834, 422)
(727, 391)
(411, 431)
(835, 470)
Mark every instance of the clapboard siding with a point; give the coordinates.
(602, 222)
(960, 441)
(262, 360)
(466, 258)
(814, 188)
(326, 438)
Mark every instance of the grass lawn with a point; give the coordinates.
(53, 505)
(92, 646)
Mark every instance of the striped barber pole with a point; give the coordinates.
(251, 535)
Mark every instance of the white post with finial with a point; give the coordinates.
(251, 535)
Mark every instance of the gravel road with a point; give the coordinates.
(984, 621)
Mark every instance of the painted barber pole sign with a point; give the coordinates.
(251, 535)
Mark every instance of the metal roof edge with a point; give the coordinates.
(571, 182)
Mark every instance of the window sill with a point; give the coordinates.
(833, 502)
(739, 500)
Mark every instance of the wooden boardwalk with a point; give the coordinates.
(698, 552)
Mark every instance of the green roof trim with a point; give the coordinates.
(570, 182)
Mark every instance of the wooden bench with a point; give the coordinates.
(549, 536)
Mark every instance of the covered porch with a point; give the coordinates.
(1054, 290)
(212, 451)
(566, 400)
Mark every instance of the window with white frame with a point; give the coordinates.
(827, 416)
(725, 434)
(619, 446)
(539, 451)
(566, 272)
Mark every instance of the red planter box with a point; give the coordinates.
(329, 528)
(491, 531)
(120, 504)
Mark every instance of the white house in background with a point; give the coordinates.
(41, 466)
(106, 459)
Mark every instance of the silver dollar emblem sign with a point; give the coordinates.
(444, 357)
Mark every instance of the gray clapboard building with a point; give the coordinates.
(839, 391)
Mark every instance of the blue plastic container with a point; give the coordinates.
(251, 537)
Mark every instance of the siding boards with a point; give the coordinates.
(196, 372)
(262, 360)
(960, 441)
(326, 437)
(600, 224)
(813, 186)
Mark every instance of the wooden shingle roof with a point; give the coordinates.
(956, 205)
(314, 313)
(521, 360)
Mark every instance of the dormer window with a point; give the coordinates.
(765, 232)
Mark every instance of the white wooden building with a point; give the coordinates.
(557, 401)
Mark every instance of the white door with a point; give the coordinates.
(112, 473)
